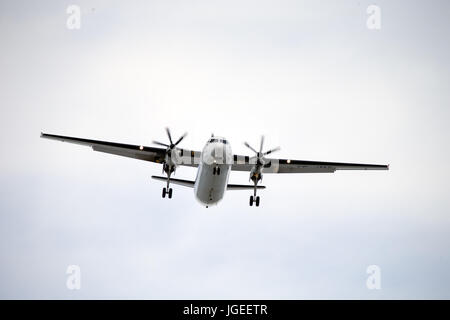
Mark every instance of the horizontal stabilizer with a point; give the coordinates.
(243, 187)
(181, 182)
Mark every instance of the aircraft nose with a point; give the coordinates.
(218, 155)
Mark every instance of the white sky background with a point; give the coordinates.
(307, 74)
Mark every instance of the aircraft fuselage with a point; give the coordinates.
(213, 171)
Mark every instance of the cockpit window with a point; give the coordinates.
(218, 140)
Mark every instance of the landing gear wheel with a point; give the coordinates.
(257, 201)
(214, 171)
(164, 193)
(218, 171)
(170, 193)
(251, 201)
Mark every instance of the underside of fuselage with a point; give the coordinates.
(211, 183)
(213, 172)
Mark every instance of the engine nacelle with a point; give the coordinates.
(255, 174)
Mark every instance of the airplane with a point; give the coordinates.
(214, 164)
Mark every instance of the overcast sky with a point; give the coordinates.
(309, 75)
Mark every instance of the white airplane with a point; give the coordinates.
(215, 163)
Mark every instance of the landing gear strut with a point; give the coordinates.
(167, 190)
(254, 198)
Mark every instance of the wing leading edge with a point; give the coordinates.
(303, 166)
(151, 154)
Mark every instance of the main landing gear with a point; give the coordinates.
(168, 192)
(255, 200)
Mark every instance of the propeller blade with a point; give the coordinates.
(160, 143)
(170, 136)
(250, 147)
(181, 138)
(262, 143)
(270, 151)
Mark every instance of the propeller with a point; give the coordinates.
(260, 160)
(172, 145)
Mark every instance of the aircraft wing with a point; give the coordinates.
(244, 163)
(151, 154)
